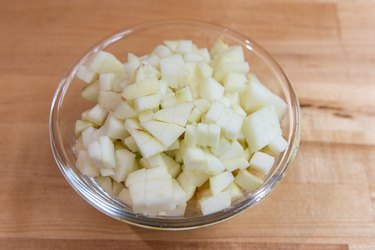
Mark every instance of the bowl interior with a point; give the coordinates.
(141, 39)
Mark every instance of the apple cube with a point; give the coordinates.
(215, 203)
(91, 92)
(147, 102)
(235, 191)
(146, 87)
(179, 194)
(162, 51)
(218, 46)
(147, 145)
(261, 127)
(167, 133)
(195, 159)
(230, 67)
(178, 114)
(81, 125)
(184, 95)
(126, 163)
(262, 162)
(105, 183)
(214, 165)
(108, 152)
(86, 166)
(104, 62)
(106, 80)
(86, 75)
(124, 196)
(277, 145)
(235, 82)
(106, 171)
(186, 185)
(257, 96)
(205, 70)
(248, 181)
(211, 89)
(173, 70)
(124, 111)
(220, 182)
(130, 143)
(97, 115)
(237, 163)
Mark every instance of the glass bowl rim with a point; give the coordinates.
(105, 204)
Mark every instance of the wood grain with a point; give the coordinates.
(327, 201)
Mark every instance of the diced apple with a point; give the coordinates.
(106, 171)
(104, 62)
(184, 46)
(235, 191)
(146, 87)
(218, 46)
(124, 196)
(86, 75)
(132, 124)
(184, 95)
(147, 145)
(220, 182)
(195, 159)
(277, 145)
(213, 204)
(126, 163)
(86, 166)
(124, 111)
(214, 165)
(261, 127)
(108, 152)
(230, 67)
(91, 92)
(165, 132)
(178, 114)
(205, 70)
(97, 115)
(179, 194)
(109, 100)
(106, 80)
(147, 102)
(145, 116)
(130, 143)
(105, 183)
(235, 82)
(162, 51)
(211, 89)
(95, 153)
(248, 181)
(262, 162)
(173, 70)
(237, 163)
(81, 125)
(172, 44)
(256, 96)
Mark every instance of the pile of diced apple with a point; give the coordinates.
(179, 123)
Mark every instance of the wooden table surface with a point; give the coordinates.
(327, 201)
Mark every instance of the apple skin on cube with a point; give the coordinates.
(220, 182)
(167, 133)
(178, 114)
(146, 87)
(147, 144)
(261, 127)
(247, 181)
(262, 162)
(256, 96)
(215, 203)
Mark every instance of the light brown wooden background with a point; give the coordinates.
(326, 47)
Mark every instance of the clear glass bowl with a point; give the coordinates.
(67, 105)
